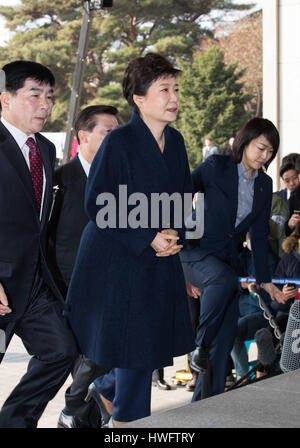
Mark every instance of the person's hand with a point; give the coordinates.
(192, 291)
(165, 243)
(274, 292)
(4, 308)
(293, 220)
(289, 292)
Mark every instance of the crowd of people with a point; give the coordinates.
(114, 304)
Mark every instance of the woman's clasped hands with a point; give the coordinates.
(165, 243)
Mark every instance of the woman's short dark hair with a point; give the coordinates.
(17, 72)
(142, 72)
(251, 130)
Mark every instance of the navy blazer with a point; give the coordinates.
(23, 236)
(217, 178)
(128, 307)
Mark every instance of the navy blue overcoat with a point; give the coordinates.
(127, 307)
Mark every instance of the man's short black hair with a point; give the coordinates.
(17, 72)
(286, 167)
(290, 158)
(86, 120)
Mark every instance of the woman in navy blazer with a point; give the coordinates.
(237, 198)
(127, 296)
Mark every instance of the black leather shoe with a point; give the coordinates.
(94, 394)
(161, 384)
(200, 359)
(70, 421)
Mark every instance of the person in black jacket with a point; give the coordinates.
(68, 217)
(30, 303)
(237, 198)
(294, 201)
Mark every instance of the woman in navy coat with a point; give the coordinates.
(237, 197)
(127, 296)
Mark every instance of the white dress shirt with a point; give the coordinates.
(85, 165)
(21, 139)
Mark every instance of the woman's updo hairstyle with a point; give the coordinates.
(142, 72)
(251, 130)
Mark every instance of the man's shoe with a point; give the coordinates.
(200, 359)
(161, 384)
(70, 421)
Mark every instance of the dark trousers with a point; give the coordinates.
(130, 392)
(84, 373)
(47, 337)
(217, 327)
(194, 307)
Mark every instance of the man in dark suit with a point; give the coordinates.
(31, 306)
(294, 202)
(68, 218)
(67, 223)
(290, 181)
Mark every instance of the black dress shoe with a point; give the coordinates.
(94, 394)
(200, 359)
(161, 384)
(70, 421)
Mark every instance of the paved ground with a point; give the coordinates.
(15, 363)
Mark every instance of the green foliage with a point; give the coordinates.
(212, 102)
(48, 32)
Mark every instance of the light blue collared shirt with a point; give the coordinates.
(245, 193)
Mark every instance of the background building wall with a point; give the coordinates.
(281, 75)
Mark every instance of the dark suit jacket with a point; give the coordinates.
(217, 177)
(67, 222)
(294, 201)
(127, 307)
(22, 235)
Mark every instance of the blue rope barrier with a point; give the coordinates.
(278, 281)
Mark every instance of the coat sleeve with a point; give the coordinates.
(259, 233)
(202, 175)
(187, 189)
(109, 170)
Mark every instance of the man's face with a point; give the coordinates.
(29, 108)
(290, 180)
(92, 140)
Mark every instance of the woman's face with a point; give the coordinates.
(161, 102)
(257, 153)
